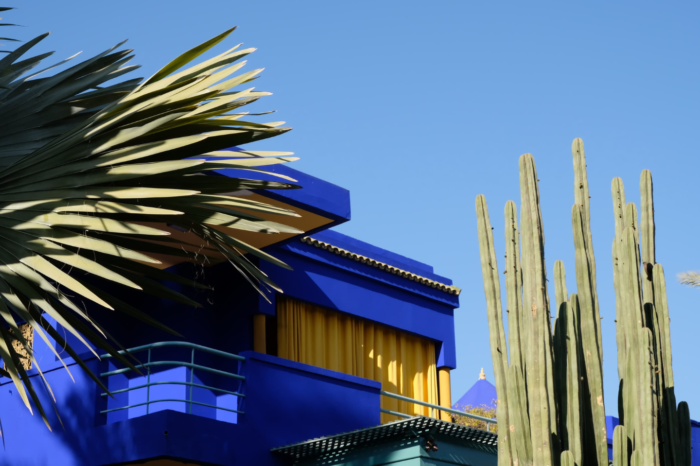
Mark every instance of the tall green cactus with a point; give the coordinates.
(550, 395)
(642, 304)
(593, 352)
(492, 290)
(684, 448)
(540, 382)
(514, 303)
(520, 423)
(618, 194)
(568, 368)
(620, 444)
(583, 200)
(667, 391)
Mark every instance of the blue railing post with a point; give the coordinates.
(191, 380)
(148, 382)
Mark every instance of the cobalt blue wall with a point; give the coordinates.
(339, 283)
(288, 402)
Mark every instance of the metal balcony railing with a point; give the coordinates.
(190, 365)
(433, 409)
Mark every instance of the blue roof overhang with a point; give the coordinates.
(319, 205)
(315, 196)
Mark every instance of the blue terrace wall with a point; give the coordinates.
(285, 402)
(288, 402)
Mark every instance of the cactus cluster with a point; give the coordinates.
(550, 389)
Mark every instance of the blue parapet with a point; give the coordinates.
(290, 402)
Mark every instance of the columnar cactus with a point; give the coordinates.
(568, 369)
(492, 290)
(539, 376)
(550, 395)
(620, 443)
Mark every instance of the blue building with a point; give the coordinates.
(355, 354)
(481, 395)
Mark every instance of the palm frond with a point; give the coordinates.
(97, 177)
(689, 278)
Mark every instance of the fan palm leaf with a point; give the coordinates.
(95, 176)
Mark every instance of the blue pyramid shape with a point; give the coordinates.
(482, 393)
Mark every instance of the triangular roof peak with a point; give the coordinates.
(481, 394)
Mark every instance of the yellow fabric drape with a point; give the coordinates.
(404, 364)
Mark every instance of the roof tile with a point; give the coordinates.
(381, 265)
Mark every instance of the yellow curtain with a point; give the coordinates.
(404, 364)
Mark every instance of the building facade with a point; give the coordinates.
(360, 338)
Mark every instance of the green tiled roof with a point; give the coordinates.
(405, 429)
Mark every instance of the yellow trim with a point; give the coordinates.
(259, 334)
(445, 392)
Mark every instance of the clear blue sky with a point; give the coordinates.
(417, 107)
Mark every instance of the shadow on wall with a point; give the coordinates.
(30, 443)
(80, 441)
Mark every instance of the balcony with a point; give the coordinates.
(218, 408)
(168, 381)
(266, 401)
(175, 376)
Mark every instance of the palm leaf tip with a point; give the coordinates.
(690, 278)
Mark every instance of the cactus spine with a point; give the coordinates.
(550, 395)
